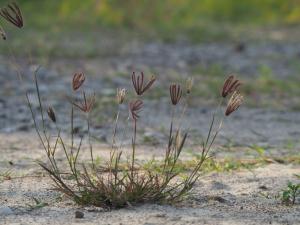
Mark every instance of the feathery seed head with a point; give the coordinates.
(78, 80)
(189, 85)
(121, 93)
(234, 103)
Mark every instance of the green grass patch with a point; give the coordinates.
(51, 23)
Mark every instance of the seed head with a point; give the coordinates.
(134, 108)
(175, 93)
(87, 104)
(231, 84)
(78, 80)
(121, 93)
(189, 85)
(234, 103)
(12, 14)
(51, 114)
(138, 83)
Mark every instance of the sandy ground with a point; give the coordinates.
(242, 197)
(238, 197)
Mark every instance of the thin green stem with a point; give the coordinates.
(89, 140)
(115, 129)
(124, 132)
(133, 146)
(183, 112)
(72, 129)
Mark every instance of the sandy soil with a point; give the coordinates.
(242, 197)
(239, 197)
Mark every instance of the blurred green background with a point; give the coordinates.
(50, 23)
(197, 20)
(159, 16)
(59, 30)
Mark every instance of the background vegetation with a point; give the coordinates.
(192, 17)
(88, 29)
(167, 14)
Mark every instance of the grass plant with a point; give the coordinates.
(111, 184)
(122, 181)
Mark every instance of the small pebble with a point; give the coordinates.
(79, 214)
(263, 187)
(161, 215)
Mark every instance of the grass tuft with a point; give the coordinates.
(121, 181)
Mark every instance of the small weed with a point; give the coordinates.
(5, 175)
(38, 204)
(290, 194)
(260, 150)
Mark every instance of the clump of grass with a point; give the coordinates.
(111, 184)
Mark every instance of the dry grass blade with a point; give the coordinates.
(58, 181)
